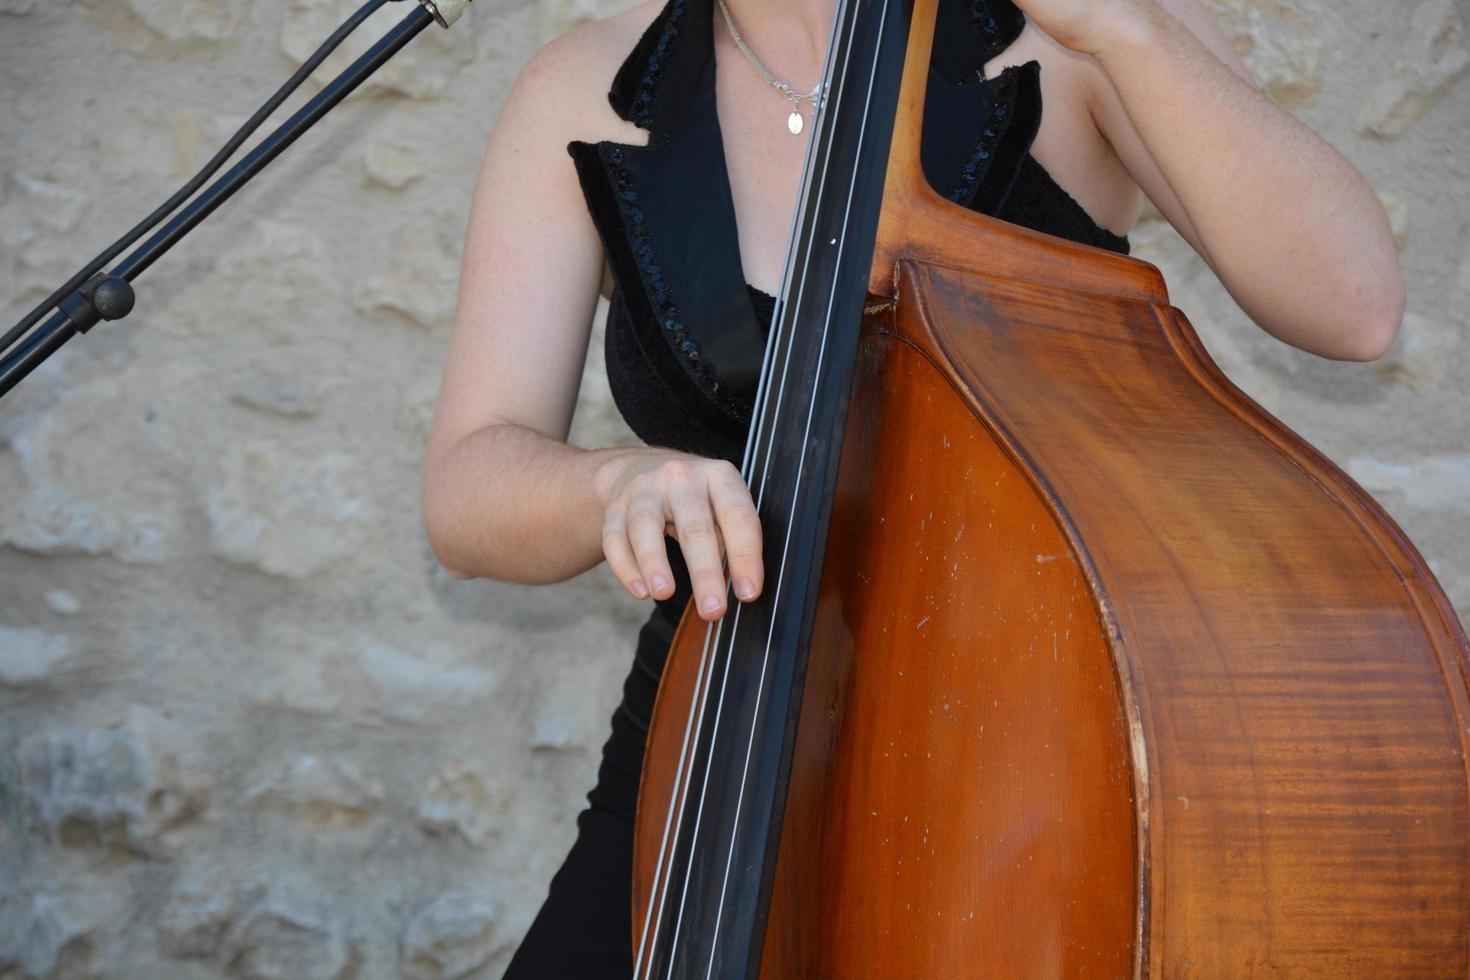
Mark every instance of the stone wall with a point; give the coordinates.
(248, 727)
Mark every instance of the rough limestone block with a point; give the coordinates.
(288, 934)
(1422, 353)
(176, 20)
(321, 794)
(454, 936)
(1279, 44)
(47, 933)
(462, 800)
(30, 657)
(423, 69)
(62, 602)
(120, 496)
(1432, 57)
(416, 689)
(123, 785)
(286, 512)
(560, 16)
(392, 165)
(196, 916)
(1436, 483)
(418, 283)
(1398, 217)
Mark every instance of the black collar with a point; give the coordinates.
(657, 83)
(681, 279)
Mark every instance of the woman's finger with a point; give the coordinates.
(646, 523)
(694, 522)
(741, 528)
(619, 552)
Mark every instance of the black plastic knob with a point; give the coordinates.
(113, 298)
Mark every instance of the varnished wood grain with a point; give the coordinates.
(1301, 707)
(1113, 674)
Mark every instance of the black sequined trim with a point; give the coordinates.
(962, 191)
(640, 240)
(641, 111)
(656, 82)
(984, 24)
(683, 290)
(969, 33)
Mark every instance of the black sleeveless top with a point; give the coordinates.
(685, 333)
(685, 339)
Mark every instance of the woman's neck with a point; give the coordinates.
(786, 35)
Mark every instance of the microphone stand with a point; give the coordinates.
(109, 296)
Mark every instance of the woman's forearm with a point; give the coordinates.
(507, 502)
(1295, 233)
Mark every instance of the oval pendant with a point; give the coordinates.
(794, 122)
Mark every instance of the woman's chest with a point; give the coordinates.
(765, 160)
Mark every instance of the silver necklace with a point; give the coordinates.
(794, 122)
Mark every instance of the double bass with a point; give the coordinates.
(1072, 660)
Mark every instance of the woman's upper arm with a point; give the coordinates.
(531, 268)
(1113, 121)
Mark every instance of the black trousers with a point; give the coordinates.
(584, 928)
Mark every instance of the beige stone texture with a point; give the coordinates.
(248, 727)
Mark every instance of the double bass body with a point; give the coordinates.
(1112, 675)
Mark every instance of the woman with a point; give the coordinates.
(1143, 97)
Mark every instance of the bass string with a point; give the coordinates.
(788, 336)
(764, 401)
(784, 332)
(660, 883)
(806, 435)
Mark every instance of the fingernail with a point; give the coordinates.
(745, 589)
(659, 582)
(639, 589)
(710, 603)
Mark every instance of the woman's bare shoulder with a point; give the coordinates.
(566, 82)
